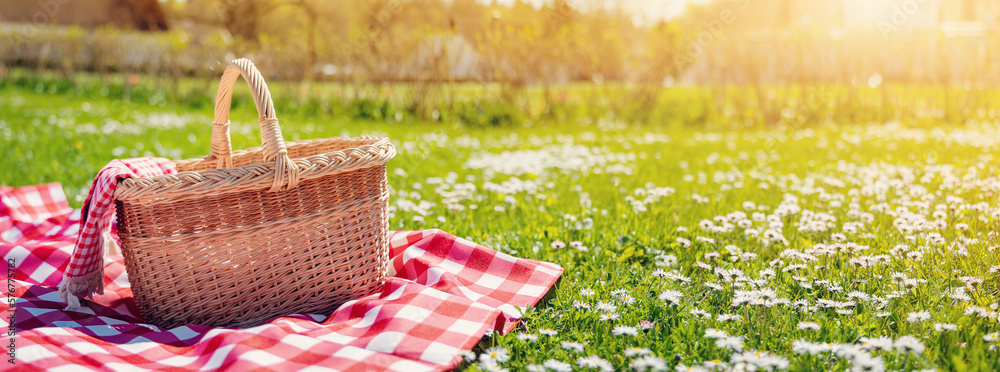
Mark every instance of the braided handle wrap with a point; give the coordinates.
(286, 174)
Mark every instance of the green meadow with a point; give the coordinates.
(823, 242)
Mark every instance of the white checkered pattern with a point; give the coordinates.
(445, 294)
(98, 213)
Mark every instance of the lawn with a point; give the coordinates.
(837, 247)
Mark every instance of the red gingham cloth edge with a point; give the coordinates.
(82, 276)
(444, 294)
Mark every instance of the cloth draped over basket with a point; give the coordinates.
(441, 294)
(84, 276)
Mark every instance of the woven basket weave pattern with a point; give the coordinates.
(219, 247)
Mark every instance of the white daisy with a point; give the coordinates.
(558, 366)
(734, 343)
(813, 326)
(648, 363)
(625, 330)
(595, 362)
(527, 337)
(572, 346)
(496, 354)
(918, 316)
(633, 352)
(909, 344)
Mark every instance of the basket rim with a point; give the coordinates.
(375, 151)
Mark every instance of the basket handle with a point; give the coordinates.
(273, 145)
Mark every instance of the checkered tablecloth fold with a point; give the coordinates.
(442, 295)
(82, 276)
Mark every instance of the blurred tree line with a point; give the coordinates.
(555, 60)
(440, 40)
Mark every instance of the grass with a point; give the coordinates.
(864, 227)
(480, 105)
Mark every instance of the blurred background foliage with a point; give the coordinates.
(721, 63)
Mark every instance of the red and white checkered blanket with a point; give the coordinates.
(442, 295)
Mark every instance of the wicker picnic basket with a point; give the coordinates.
(237, 238)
